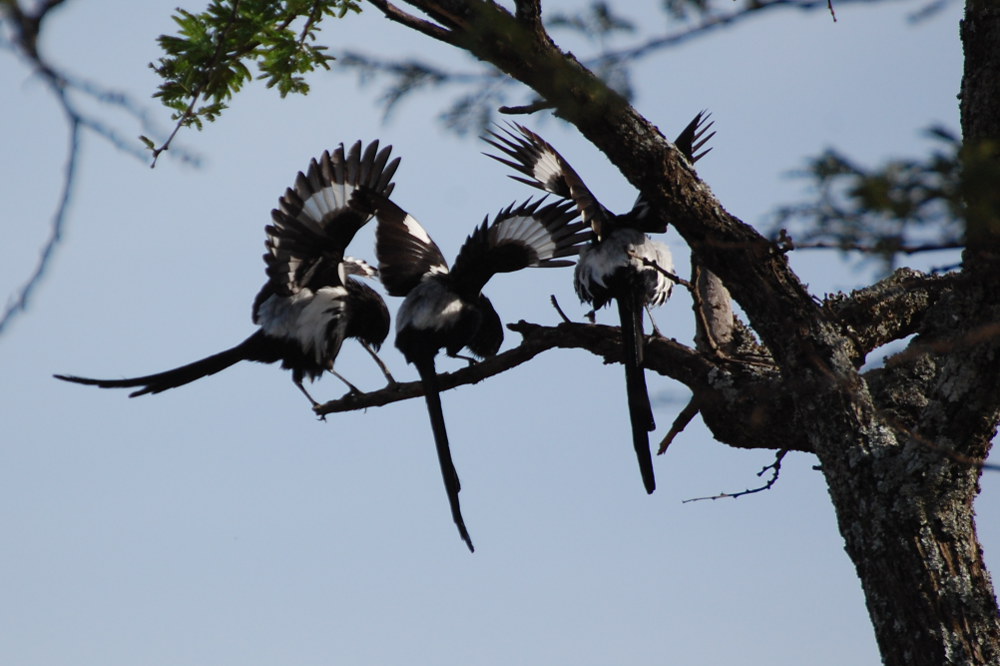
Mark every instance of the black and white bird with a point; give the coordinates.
(309, 304)
(621, 263)
(446, 309)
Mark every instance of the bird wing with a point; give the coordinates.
(547, 170)
(405, 251)
(521, 235)
(692, 137)
(315, 221)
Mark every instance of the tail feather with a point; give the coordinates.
(252, 349)
(428, 377)
(639, 408)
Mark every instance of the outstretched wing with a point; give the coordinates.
(405, 251)
(520, 236)
(315, 221)
(547, 170)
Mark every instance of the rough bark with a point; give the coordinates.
(900, 446)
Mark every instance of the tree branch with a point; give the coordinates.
(775, 468)
(27, 28)
(888, 310)
(529, 12)
(755, 416)
(397, 15)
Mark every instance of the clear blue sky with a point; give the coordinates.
(221, 523)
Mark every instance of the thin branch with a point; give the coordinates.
(555, 304)
(683, 419)
(775, 466)
(673, 277)
(596, 62)
(527, 109)
(394, 13)
(871, 249)
(25, 42)
(529, 348)
(717, 22)
(681, 362)
(19, 303)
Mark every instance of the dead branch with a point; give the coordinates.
(683, 419)
(775, 466)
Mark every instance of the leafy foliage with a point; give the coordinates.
(904, 206)
(207, 59)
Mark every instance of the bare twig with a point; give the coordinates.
(870, 249)
(526, 109)
(775, 466)
(673, 277)
(19, 303)
(26, 29)
(394, 13)
(555, 304)
(689, 412)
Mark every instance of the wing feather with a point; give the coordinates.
(315, 219)
(405, 251)
(521, 235)
(547, 170)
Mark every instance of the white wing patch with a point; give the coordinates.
(332, 197)
(353, 266)
(430, 305)
(529, 231)
(625, 249)
(547, 167)
(414, 229)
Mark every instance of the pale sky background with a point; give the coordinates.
(221, 523)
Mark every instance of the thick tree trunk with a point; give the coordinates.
(900, 447)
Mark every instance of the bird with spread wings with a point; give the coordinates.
(310, 303)
(445, 308)
(620, 264)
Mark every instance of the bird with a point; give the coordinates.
(445, 308)
(309, 303)
(621, 263)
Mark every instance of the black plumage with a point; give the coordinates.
(446, 309)
(621, 261)
(309, 304)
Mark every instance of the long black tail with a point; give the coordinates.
(428, 376)
(254, 348)
(639, 409)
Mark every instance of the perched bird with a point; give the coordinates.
(621, 263)
(309, 304)
(446, 309)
